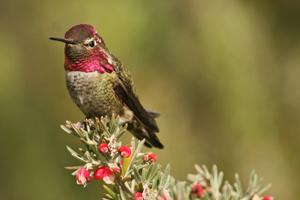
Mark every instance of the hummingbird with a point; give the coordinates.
(100, 85)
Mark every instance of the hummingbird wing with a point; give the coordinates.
(127, 96)
(124, 91)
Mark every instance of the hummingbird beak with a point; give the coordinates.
(63, 40)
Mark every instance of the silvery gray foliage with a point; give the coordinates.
(139, 176)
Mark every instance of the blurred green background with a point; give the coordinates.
(223, 74)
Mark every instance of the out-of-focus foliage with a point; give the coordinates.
(224, 75)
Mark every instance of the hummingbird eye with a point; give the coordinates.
(92, 43)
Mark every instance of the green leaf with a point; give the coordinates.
(137, 176)
(238, 186)
(110, 192)
(67, 130)
(75, 154)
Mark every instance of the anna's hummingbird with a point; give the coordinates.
(100, 85)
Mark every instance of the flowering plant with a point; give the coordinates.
(128, 173)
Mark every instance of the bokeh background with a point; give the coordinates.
(223, 74)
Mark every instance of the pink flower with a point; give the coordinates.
(82, 176)
(198, 189)
(125, 151)
(268, 198)
(77, 125)
(150, 157)
(104, 173)
(162, 197)
(103, 147)
(116, 170)
(138, 196)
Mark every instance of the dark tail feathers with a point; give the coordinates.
(141, 132)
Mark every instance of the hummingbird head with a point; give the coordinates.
(85, 50)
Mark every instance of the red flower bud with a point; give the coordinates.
(103, 147)
(198, 190)
(125, 151)
(150, 157)
(82, 176)
(104, 173)
(268, 198)
(138, 196)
